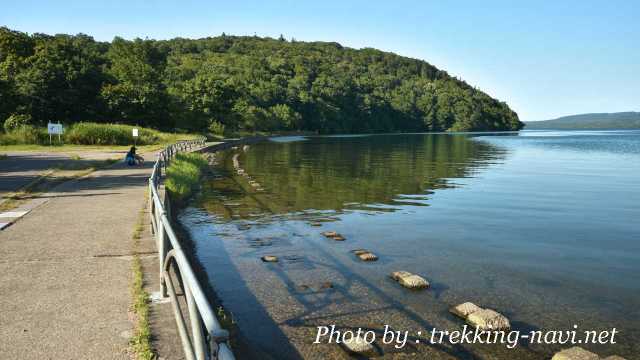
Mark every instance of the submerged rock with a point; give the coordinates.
(487, 319)
(338, 238)
(359, 346)
(575, 353)
(464, 310)
(269, 258)
(365, 255)
(326, 285)
(409, 280)
(315, 224)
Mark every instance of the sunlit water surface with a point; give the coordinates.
(542, 226)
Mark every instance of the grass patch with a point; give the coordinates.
(141, 340)
(3, 156)
(183, 175)
(88, 133)
(80, 148)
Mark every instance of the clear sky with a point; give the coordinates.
(544, 58)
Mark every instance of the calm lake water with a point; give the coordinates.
(542, 226)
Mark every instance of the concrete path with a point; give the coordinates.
(22, 167)
(64, 270)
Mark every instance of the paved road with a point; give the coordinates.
(20, 168)
(63, 282)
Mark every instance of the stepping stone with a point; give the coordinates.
(487, 319)
(464, 310)
(4, 225)
(409, 280)
(575, 353)
(365, 255)
(269, 258)
(315, 224)
(357, 345)
(333, 235)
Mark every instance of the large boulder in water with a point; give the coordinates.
(575, 353)
(488, 320)
(409, 280)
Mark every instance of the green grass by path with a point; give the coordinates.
(184, 173)
(141, 339)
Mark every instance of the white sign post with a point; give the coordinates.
(135, 136)
(54, 129)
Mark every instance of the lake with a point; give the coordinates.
(543, 226)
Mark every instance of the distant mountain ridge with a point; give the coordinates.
(620, 120)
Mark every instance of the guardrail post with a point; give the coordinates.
(162, 252)
(196, 325)
(151, 206)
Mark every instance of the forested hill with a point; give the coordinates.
(241, 83)
(621, 120)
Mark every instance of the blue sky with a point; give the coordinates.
(544, 58)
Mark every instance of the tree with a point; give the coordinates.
(244, 83)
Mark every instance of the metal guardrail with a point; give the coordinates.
(205, 339)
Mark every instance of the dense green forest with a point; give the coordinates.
(232, 83)
(620, 120)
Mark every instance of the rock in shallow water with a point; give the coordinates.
(333, 235)
(487, 319)
(575, 353)
(409, 280)
(464, 310)
(365, 255)
(269, 258)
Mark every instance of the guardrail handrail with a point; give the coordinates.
(207, 339)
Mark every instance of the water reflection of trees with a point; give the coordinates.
(327, 173)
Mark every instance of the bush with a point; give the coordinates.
(25, 134)
(216, 128)
(183, 175)
(16, 121)
(110, 134)
(88, 134)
